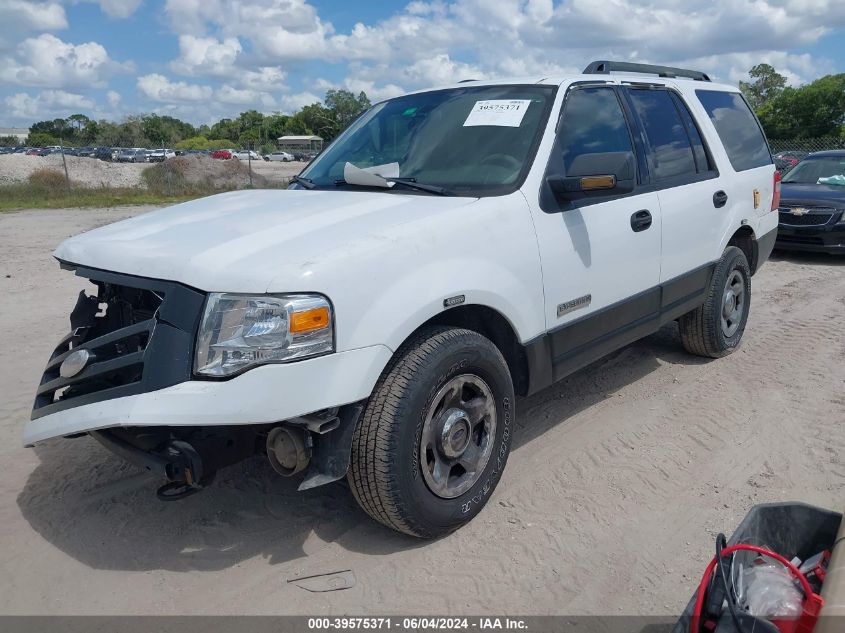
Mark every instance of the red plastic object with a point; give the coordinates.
(813, 602)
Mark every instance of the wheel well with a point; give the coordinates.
(491, 324)
(744, 240)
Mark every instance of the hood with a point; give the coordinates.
(244, 241)
(812, 195)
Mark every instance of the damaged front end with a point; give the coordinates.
(137, 336)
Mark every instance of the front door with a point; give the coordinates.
(600, 253)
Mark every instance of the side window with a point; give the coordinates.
(702, 162)
(670, 153)
(592, 122)
(740, 133)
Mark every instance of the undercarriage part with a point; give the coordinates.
(288, 449)
(332, 450)
(188, 458)
(320, 422)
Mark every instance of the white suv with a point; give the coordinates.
(451, 249)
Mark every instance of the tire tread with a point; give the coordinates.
(698, 328)
(373, 471)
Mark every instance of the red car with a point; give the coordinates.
(221, 153)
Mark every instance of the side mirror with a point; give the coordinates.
(604, 173)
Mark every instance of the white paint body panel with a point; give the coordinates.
(264, 394)
(387, 261)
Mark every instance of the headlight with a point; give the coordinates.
(239, 331)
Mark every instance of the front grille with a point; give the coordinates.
(139, 334)
(816, 216)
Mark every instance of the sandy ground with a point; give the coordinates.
(90, 172)
(619, 478)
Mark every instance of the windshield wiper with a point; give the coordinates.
(410, 183)
(305, 182)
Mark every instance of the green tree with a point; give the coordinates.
(343, 107)
(57, 128)
(815, 109)
(226, 128)
(77, 121)
(201, 142)
(766, 84)
(9, 141)
(274, 127)
(41, 139)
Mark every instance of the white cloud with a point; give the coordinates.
(243, 53)
(440, 69)
(436, 42)
(280, 30)
(206, 55)
(21, 15)
(47, 104)
(113, 98)
(245, 97)
(48, 61)
(292, 102)
(119, 8)
(159, 88)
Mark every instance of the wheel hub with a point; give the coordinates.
(454, 433)
(733, 303)
(457, 436)
(730, 302)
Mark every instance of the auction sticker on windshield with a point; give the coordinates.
(500, 112)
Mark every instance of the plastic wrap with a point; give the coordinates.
(770, 592)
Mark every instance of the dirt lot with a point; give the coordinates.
(90, 172)
(619, 478)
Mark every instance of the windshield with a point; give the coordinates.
(810, 170)
(471, 141)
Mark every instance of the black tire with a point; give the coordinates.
(702, 331)
(385, 472)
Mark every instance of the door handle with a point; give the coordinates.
(720, 199)
(641, 220)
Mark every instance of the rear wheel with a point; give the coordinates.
(435, 435)
(715, 328)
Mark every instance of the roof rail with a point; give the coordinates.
(607, 67)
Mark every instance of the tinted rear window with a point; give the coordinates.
(740, 133)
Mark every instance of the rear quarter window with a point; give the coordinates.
(737, 128)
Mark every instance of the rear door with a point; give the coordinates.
(681, 171)
(747, 164)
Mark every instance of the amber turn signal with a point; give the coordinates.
(309, 320)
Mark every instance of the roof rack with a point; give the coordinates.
(607, 67)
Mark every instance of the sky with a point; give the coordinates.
(201, 60)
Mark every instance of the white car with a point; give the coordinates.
(247, 155)
(376, 320)
(160, 155)
(280, 156)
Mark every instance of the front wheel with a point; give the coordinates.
(715, 328)
(436, 433)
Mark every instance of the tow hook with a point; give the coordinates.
(185, 472)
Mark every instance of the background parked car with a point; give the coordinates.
(132, 155)
(106, 153)
(787, 159)
(159, 155)
(812, 213)
(224, 154)
(246, 155)
(280, 156)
